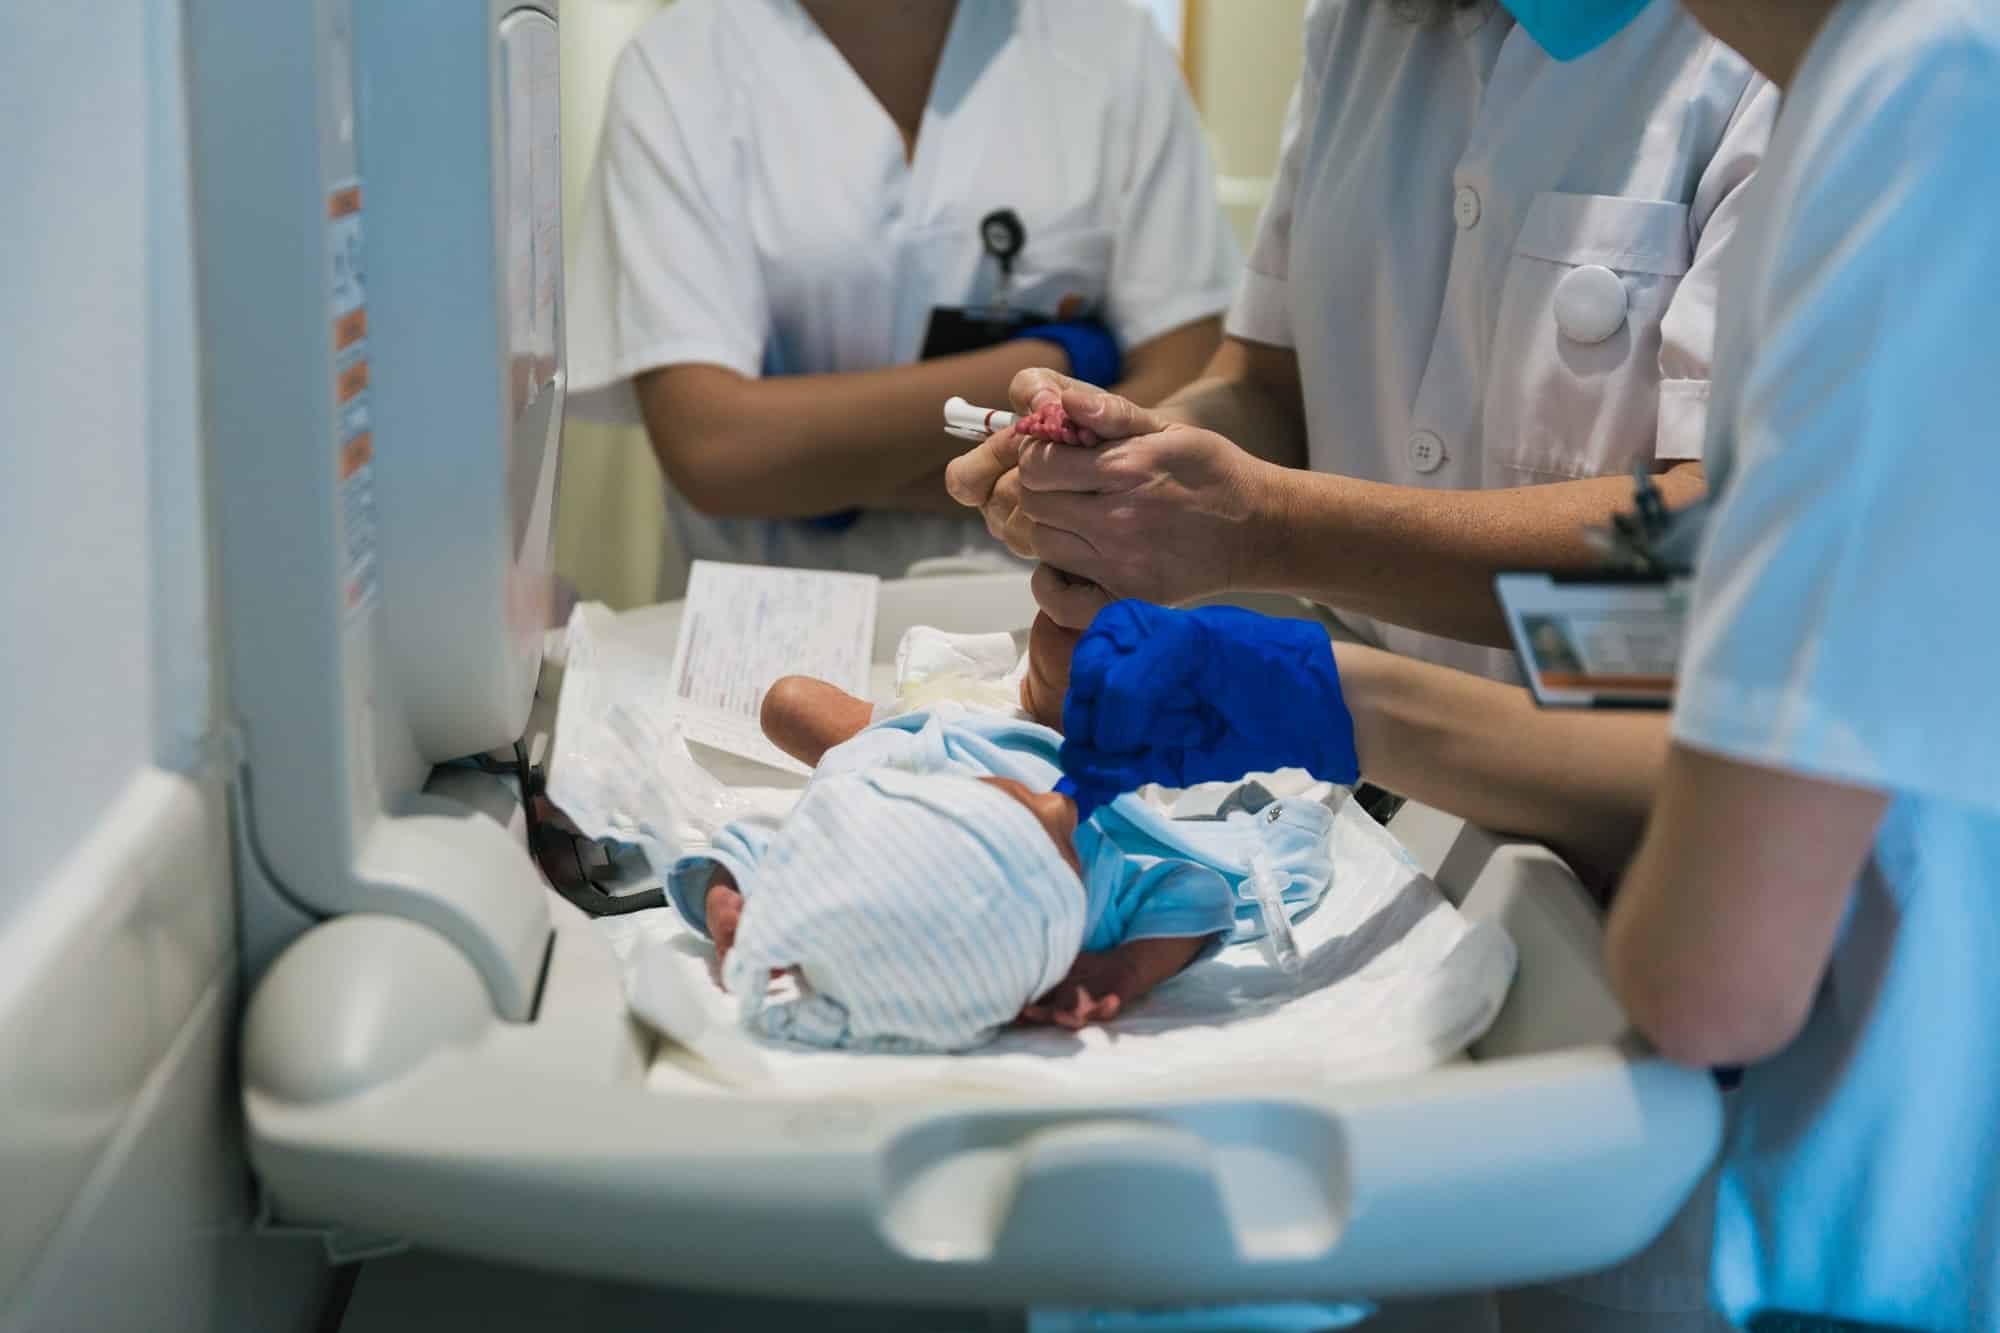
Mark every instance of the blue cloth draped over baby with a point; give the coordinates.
(1147, 875)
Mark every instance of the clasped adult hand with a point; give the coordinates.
(1156, 509)
(1181, 697)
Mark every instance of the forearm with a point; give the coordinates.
(1162, 367)
(1724, 922)
(1581, 781)
(1249, 393)
(1050, 650)
(796, 446)
(1426, 559)
(923, 495)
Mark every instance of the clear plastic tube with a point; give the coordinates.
(1269, 891)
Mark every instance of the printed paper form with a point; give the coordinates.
(744, 626)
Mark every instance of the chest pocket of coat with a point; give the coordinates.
(1064, 274)
(1061, 274)
(1574, 389)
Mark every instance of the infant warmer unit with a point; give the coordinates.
(437, 1047)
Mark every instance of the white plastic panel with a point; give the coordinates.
(459, 136)
(102, 975)
(360, 514)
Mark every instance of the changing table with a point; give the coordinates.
(385, 1096)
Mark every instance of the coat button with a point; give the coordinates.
(1465, 207)
(1426, 451)
(1590, 304)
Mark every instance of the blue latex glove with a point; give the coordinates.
(1180, 697)
(1091, 348)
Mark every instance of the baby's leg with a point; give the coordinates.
(1050, 647)
(805, 717)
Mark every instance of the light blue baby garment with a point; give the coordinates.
(1147, 875)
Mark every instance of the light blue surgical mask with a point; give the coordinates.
(1567, 29)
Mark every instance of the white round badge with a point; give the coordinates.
(1590, 304)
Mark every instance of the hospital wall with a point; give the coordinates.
(124, 1197)
(613, 540)
(1242, 59)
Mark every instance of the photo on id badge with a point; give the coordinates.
(1596, 641)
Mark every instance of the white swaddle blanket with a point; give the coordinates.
(1395, 980)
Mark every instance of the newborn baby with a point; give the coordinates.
(929, 887)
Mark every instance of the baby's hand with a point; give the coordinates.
(1072, 1007)
(1095, 991)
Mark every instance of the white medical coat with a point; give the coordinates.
(761, 214)
(1442, 186)
(1845, 625)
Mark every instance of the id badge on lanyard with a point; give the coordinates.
(1612, 638)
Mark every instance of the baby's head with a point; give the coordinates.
(920, 911)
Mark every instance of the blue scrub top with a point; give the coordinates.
(1846, 625)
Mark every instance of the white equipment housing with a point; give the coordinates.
(438, 1048)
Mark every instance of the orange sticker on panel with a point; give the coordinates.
(352, 381)
(350, 329)
(356, 454)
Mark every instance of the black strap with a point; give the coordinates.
(567, 859)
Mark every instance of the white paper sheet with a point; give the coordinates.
(745, 626)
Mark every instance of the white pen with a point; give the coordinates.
(974, 423)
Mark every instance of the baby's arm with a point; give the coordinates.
(1100, 986)
(805, 717)
(1050, 647)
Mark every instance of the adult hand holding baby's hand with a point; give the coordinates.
(1166, 514)
(987, 477)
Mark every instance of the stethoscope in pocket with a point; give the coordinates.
(1003, 237)
(955, 329)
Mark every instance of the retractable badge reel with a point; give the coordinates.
(1003, 237)
(1610, 638)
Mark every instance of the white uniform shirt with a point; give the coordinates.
(1846, 625)
(1458, 215)
(763, 216)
